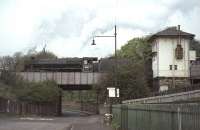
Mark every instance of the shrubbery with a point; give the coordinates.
(133, 74)
(46, 91)
(14, 87)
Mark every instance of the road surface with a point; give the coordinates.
(70, 121)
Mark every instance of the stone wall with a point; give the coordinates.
(174, 82)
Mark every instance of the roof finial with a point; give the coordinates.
(179, 27)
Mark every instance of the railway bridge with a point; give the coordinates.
(65, 80)
(69, 74)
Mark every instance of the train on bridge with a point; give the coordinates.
(68, 73)
(81, 73)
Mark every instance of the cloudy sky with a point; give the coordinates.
(67, 26)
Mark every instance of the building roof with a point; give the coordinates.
(172, 32)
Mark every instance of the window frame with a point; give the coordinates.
(175, 67)
(170, 67)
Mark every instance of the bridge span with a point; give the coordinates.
(66, 80)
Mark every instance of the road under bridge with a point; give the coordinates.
(68, 81)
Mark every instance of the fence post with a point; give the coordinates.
(179, 119)
(59, 106)
(127, 117)
(8, 106)
(121, 120)
(124, 117)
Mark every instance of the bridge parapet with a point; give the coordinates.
(63, 78)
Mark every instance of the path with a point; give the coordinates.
(53, 123)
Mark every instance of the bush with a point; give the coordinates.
(5, 91)
(46, 91)
(14, 87)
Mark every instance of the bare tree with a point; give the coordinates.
(7, 63)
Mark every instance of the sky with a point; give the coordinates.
(67, 27)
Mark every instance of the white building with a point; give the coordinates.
(171, 57)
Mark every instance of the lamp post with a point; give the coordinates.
(115, 60)
(115, 36)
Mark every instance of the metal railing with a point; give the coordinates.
(178, 89)
(157, 116)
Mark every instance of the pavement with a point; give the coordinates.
(91, 123)
(89, 126)
(70, 121)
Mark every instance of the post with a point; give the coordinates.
(110, 106)
(59, 106)
(179, 119)
(81, 100)
(8, 106)
(97, 103)
(115, 58)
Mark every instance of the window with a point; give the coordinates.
(175, 67)
(179, 52)
(85, 62)
(170, 67)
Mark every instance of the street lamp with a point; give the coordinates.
(115, 66)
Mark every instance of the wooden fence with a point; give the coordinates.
(157, 116)
(87, 107)
(43, 109)
(90, 107)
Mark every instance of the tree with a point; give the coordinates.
(13, 86)
(5, 91)
(195, 45)
(134, 66)
(136, 49)
(46, 91)
(7, 63)
(20, 60)
(45, 55)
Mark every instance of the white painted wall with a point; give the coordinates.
(165, 48)
(155, 59)
(192, 54)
